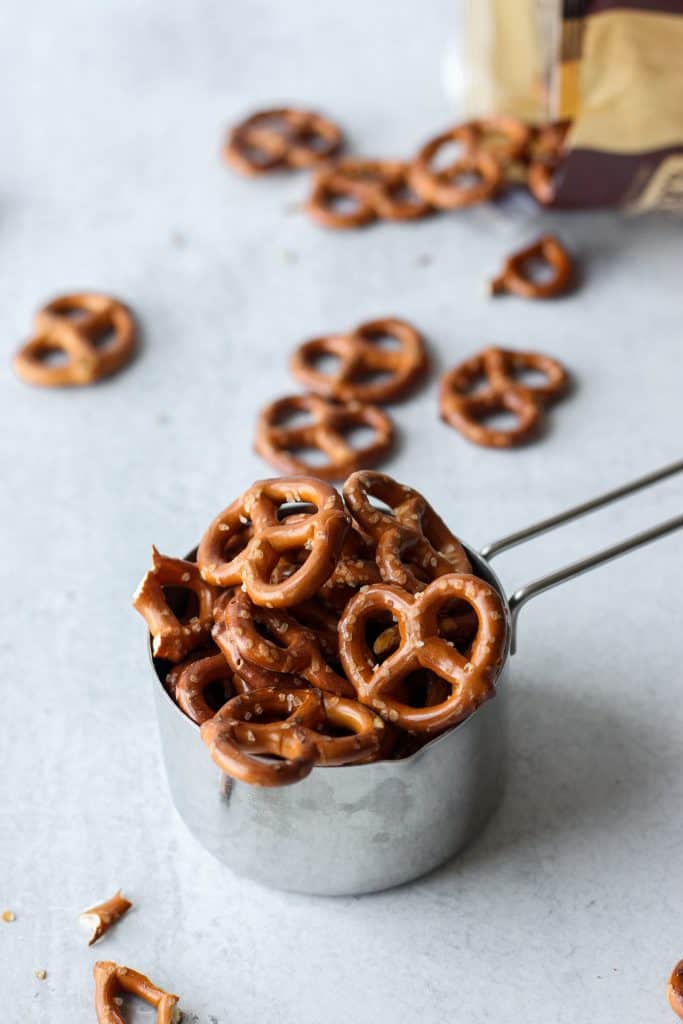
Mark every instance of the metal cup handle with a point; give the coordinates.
(523, 594)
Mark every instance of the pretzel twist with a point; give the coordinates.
(237, 739)
(675, 989)
(464, 408)
(86, 361)
(471, 679)
(284, 137)
(290, 652)
(360, 356)
(414, 545)
(445, 188)
(325, 431)
(376, 189)
(112, 978)
(514, 279)
(547, 152)
(172, 637)
(229, 554)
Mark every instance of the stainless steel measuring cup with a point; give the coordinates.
(362, 828)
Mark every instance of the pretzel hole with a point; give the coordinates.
(382, 339)
(325, 362)
(537, 269)
(381, 636)
(448, 155)
(103, 338)
(422, 689)
(217, 692)
(362, 376)
(52, 355)
(463, 177)
(498, 419)
(359, 435)
(472, 385)
(290, 416)
(457, 624)
(530, 378)
(236, 541)
(312, 139)
(310, 455)
(295, 508)
(341, 202)
(183, 603)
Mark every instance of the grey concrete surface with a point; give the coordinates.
(568, 908)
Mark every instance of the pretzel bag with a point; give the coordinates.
(612, 68)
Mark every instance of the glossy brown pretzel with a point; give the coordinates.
(471, 678)
(514, 279)
(372, 188)
(193, 679)
(675, 989)
(360, 356)
(444, 188)
(111, 979)
(414, 545)
(463, 407)
(325, 431)
(294, 731)
(546, 153)
(288, 653)
(95, 333)
(283, 137)
(172, 637)
(247, 540)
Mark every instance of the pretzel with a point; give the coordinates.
(361, 357)
(414, 545)
(228, 555)
(111, 978)
(441, 187)
(486, 134)
(295, 734)
(73, 325)
(193, 679)
(513, 279)
(471, 679)
(463, 408)
(329, 420)
(547, 151)
(356, 568)
(283, 137)
(674, 989)
(173, 637)
(285, 654)
(102, 916)
(377, 189)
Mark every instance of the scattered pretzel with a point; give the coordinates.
(375, 189)
(173, 637)
(193, 680)
(547, 151)
(360, 357)
(464, 408)
(111, 978)
(675, 989)
(325, 432)
(414, 545)
(513, 278)
(507, 139)
(290, 652)
(471, 679)
(320, 533)
(94, 333)
(445, 188)
(279, 138)
(102, 916)
(294, 732)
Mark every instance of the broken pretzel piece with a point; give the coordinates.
(103, 915)
(111, 979)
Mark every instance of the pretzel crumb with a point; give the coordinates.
(103, 915)
(8, 916)
(40, 973)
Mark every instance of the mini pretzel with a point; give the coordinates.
(252, 560)
(361, 357)
(278, 138)
(412, 539)
(296, 734)
(464, 408)
(441, 187)
(471, 679)
(111, 978)
(675, 989)
(547, 150)
(289, 653)
(329, 420)
(77, 337)
(513, 279)
(375, 188)
(102, 916)
(173, 637)
(486, 134)
(193, 681)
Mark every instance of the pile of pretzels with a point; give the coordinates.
(319, 628)
(352, 191)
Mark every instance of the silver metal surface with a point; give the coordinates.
(362, 828)
(524, 594)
